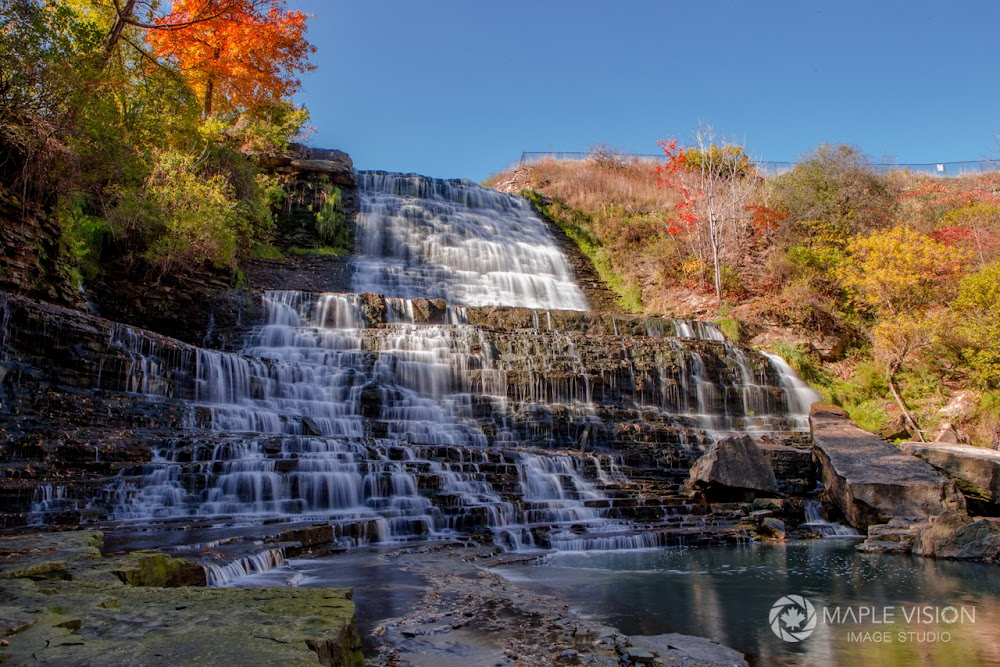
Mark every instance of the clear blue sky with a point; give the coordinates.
(458, 88)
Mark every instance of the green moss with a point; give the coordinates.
(267, 251)
(730, 327)
(320, 250)
(577, 225)
(331, 221)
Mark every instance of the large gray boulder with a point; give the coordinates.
(872, 481)
(976, 470)
(954, 535)
(733, 469)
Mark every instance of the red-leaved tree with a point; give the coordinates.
(718, 184)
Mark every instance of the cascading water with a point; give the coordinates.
(800, 395)
(458, 241)
(387, 430)
(817, 522)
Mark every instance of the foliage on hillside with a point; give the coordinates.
(902, 267)
(134, 126)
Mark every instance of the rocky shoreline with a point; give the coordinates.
(470, 615)
(64, 603)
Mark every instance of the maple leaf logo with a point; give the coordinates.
(792, 618)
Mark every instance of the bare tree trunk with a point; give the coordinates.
(911, 423)
(716, 266)
(207, 110)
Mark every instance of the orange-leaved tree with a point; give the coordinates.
(236, 54)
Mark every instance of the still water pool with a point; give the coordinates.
(868, 609)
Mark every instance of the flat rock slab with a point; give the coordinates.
(872, 481)
(976, 470)
(678, 650)
(62, 603)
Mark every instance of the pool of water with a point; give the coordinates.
(866, 609)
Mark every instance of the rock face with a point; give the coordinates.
(976, 470)
(30, 254)
(872, 481)
(954, 535)
(206, 305)
(793, 467)
(733, 469)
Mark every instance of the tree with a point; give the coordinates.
(978, 310)
(836, 186)
(244, 52)
(718, 184)
(902, 277)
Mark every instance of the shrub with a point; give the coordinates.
(198, 214)
(978, 307)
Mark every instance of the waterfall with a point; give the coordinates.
(458, 241)
(817, 522)
(800, 395)
(386, 414)
(222, 575)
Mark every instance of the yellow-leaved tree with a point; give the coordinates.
(904, 279)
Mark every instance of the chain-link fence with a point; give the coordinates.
(774, 168)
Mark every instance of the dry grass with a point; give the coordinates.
(590, 185)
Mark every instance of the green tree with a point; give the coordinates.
(835, 185)
(978, 309)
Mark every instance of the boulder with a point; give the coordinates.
(872, 481)
(976, 470)
(955, 535)
(773, 527)
(733, 469)
(947, 433)
(336, 165)
(895, 429)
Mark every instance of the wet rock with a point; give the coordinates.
(159, 570)
(872, 481)
(308, 537)
(793, 467)
(687, 651)
(96, 618)
(773, 527)
(733, 469)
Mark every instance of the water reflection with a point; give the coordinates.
(726, 594)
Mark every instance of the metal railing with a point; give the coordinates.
(775, 168)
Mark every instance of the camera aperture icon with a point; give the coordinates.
(792, 618)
